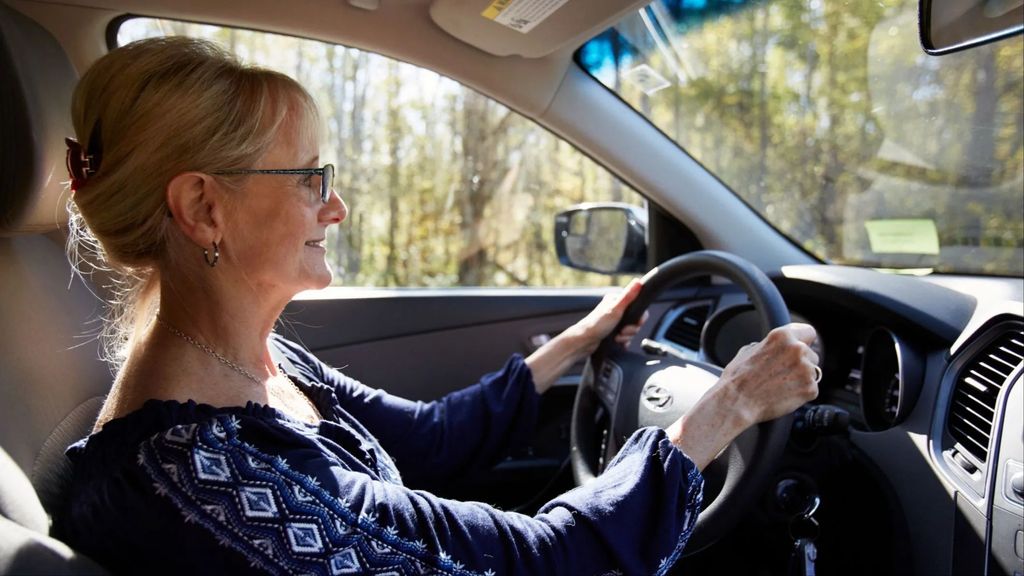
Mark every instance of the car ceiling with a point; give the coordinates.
(524, 69)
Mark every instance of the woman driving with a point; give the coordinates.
(224, 448)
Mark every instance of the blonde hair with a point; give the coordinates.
(151, 110)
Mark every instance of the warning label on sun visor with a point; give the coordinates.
(521, 15)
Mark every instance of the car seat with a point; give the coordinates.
(52, 381)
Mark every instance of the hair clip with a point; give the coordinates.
(80, 165)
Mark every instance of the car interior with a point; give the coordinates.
(910, 461)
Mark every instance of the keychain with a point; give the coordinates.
(804, 530)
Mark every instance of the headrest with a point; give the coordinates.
(35, 101)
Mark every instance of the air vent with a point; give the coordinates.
(685, 329)
(977, 391)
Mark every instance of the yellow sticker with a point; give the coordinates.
(903, 236)
(521, 15)
(495, 9)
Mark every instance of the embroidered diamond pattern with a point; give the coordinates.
(256, 463)
(345, 562)
(380, 547)
(217, 512)
(301, 495)
(238, 489)
(210, 466)
(305, 537)
(172, 471)
(181, 434)
(258, 502)
(265, 545)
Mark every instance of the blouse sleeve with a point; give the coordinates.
(289, 508)
(430, 442)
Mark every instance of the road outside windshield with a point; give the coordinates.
(828, 119)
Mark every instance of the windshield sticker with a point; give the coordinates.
(647, 79)
(521, 15)
(905, 236)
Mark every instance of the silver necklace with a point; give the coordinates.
(220, 357)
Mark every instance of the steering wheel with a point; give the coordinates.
(622, 391)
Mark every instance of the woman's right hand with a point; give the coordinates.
(765, 380)
(775, 376)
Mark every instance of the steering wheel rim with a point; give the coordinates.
(750, 460)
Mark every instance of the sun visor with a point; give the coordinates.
(35, 101)
(529, 28)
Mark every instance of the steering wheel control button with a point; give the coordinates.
(609, 382)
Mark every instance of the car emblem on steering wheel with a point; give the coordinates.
(657, 398)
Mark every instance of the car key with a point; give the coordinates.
(804, 530)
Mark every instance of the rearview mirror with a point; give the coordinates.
(608, 237)
(951, 25)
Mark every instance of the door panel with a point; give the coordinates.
(424, 344)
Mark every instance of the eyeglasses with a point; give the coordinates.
(326, 175)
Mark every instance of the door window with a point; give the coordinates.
(445, 187)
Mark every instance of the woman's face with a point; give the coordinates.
(277, 228)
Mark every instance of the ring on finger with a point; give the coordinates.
(817, 374)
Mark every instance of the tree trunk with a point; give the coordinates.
(394, 132)
(979, 158)
(830, 204)
(475, 189)
(354, 158)
(761, 75)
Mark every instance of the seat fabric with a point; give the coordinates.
(24, 547)
(52, 381)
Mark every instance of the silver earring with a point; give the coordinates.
(216, 256)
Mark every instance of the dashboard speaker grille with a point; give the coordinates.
(685, 329)
(977, 391)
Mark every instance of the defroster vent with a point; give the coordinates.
(977, 389)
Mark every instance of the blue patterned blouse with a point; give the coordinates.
(193, 489)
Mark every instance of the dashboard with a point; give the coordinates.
(930, 375)
(872, 365)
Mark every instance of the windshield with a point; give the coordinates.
(827, 118)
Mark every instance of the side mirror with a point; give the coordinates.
(951, 25)
(608, 237)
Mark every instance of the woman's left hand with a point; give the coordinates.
(552, 360)
(597, 325)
